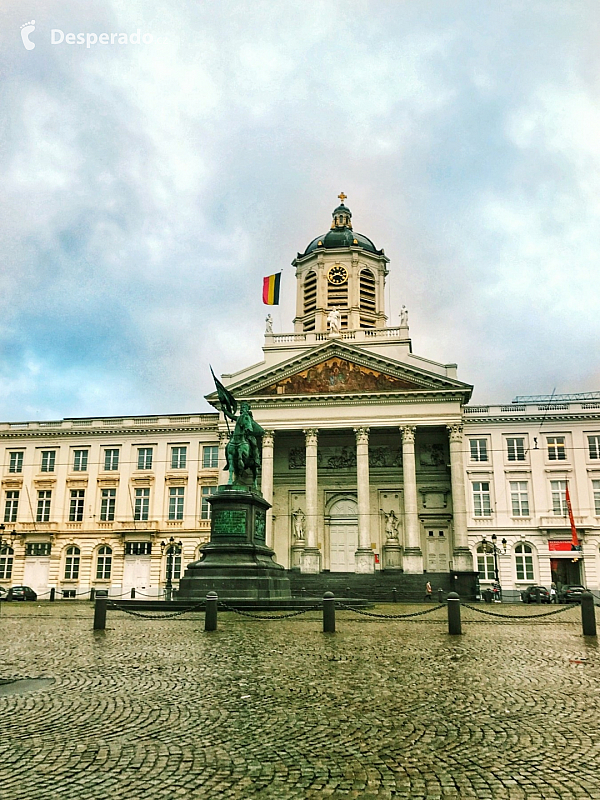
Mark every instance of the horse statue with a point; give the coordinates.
(243, 449)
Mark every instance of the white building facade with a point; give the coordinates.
(373, 462)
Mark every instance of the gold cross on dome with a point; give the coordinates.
(342, 197)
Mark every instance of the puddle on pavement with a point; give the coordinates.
(22, 685)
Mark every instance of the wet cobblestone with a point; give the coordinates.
(382, 709)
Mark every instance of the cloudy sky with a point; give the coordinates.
(146, 189)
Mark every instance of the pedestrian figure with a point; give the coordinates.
(428, 591)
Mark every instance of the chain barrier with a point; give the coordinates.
(387, 616)
(132, 613)
(43, 594)
(270, 616)
(510, 617)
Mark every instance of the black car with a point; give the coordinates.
(529, 595)
(21, 593)
(3, 592)
(571, 594)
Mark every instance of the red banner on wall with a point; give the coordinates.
(566, 545)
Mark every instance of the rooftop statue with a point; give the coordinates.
(243, 449)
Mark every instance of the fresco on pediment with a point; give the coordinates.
(337, 376)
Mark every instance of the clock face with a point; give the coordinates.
(337, 274)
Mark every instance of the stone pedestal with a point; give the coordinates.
(296, 560)
(364, 559)
(392, 555)
(236, 563)
(413, 560)
(311, 560)
(462, 559)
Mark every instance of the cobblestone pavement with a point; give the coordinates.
(381, 709)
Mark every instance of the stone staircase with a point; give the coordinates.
(379, 586)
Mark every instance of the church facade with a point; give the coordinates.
(373, 461)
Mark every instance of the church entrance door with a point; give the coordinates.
(343, 535)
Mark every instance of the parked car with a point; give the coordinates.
(3, 592)
(529, 595)
(21, 593)
(571, 594)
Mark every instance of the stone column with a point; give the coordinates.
(222, 461)
(413, 555)
(311, 557)
(364, 556)
(266, 482)
(461, 557)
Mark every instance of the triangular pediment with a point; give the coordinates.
(338, 376)
(342, 370)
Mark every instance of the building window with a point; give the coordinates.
(368, 291)
(559, 498)
(111, 460)
(144, 458)
(485, 564)
(107, 506)
(76, 507)
(142, 504)
(176, 502)
(481, 499)
(310, 292)
(104, 563)
(205, 506)
(16, 461)
(596, 490)
(210, 457)
(515, 449)
(43, 506)
(519, 498)
(72, 563)
(6, 562)
(524, 562)
(556, 448)
(11, 506)
(48, 460)
(80, 460)
(178, 457)
(593, 446)
(173, 562)
(479, 451)
(138, 548)
(38, 548)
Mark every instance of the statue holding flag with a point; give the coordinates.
(243, 449)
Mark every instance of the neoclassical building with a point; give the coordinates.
(373, 462)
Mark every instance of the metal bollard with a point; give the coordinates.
(52, 594)
(328, 613)
(92, 593)
(394, 595)
(538, 596)
(348, 591)
(210, 612)
(100, 613)
(454, 626)
(133, 592)
(303, 592)
(588, 614)
(440, 595)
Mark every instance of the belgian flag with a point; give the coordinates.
(271, 286)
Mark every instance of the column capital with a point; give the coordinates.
(362, 435)
(268, 438)
(311, 435)
(408, 433)
(456, 432)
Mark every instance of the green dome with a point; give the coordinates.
(341, 235)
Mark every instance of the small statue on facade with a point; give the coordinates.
(404, 317)
(334, 320)
(391, 524)
(269, 324)
(298, 519)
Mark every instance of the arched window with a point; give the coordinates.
(310, 292)
(485, 563)
(72, 563)
(6, 562)
(104, 563)
(367, 291)
(524, 562)
(173, 562)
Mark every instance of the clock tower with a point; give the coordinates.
(344, 270)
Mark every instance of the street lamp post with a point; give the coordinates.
(173, 549)
(493, 548)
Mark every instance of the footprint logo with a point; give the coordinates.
(26, 29)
